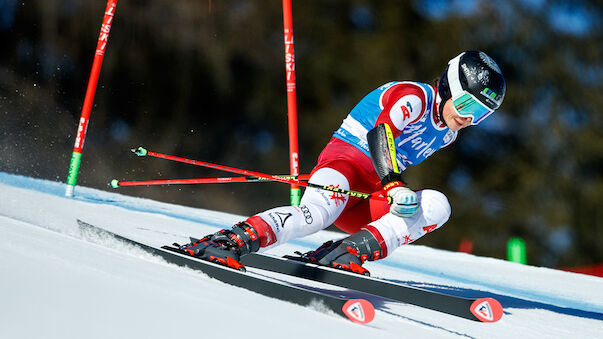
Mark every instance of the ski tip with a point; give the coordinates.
(359, 311)
(487, 310)
(114, 183)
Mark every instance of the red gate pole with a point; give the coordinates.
(76, 157)
(291, 99)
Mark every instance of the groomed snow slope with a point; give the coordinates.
(54, 283)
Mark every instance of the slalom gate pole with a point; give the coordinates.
(76, 157)
(140, 151)
(224, 180)
(291, 99)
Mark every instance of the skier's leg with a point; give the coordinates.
(318, 210)
(395, 231)
(375, 240)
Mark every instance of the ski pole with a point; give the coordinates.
(140, 151)
(224, 180)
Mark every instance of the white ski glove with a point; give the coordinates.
(404, 201)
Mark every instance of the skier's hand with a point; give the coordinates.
(404, 202)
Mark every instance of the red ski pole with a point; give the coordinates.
(291, 99)
(76, 157)
(140, 151)
(224, 180)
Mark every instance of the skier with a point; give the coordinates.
(397, 125)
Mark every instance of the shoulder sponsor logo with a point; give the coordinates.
(409, 106)
(405, 113)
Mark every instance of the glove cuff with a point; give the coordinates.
(392, 177)
(391, 185)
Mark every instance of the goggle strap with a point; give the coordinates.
(454, 82)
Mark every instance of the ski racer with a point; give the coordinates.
(395, 126)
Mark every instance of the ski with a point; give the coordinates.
(479, 309)
(357, 310)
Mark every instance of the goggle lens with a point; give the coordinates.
(466, 105)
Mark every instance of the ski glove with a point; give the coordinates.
(404, 202)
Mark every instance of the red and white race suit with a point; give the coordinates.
(411, 111)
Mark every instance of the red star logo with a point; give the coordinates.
(407, 240)
(338, 198)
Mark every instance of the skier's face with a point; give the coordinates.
(453, 120)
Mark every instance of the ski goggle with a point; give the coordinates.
(466, 105)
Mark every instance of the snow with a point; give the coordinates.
(57, 283)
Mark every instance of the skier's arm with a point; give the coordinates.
(383, 155)
(402, 104)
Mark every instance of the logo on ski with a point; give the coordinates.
(484, 311)
(487, 310)
(359, 311)
(355, 310)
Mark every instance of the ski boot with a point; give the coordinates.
(226, 246)
(347, 254)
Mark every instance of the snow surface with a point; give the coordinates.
(57, 283)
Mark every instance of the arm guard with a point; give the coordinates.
(382, 150)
